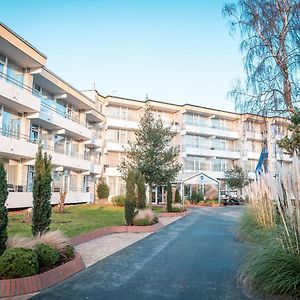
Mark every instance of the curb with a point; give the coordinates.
(174, 214)
(32, 284)
(116, 229)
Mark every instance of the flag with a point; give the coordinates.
(262, 162)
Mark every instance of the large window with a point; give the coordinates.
(196, 141)
(10, 123)
(119, 136)
(15, 73)
(193, 163)
(196, 120)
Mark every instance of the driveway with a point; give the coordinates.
(194, 258)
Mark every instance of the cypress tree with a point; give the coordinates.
(177, 196)
(169, 197)
(41, 212)
(141, 192)
(3, 209)
(130, 198)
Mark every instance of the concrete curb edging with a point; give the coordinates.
(115, 229)
(32, 284)
(174, 214)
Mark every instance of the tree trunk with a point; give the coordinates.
(61, 206)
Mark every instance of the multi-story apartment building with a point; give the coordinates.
(86, 134)
(39, 108)
(211, 140)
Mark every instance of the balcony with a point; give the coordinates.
(119, 123)
(210, 152)
(16, 146)
(256, 136)
(253, 155)
(116, 147)
(94, 142)
(71, 160)
(53, 119)
(210, 131)
(17, 96)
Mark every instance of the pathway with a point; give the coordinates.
(193, 258)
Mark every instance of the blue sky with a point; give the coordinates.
(174, 51)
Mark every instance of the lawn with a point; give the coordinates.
(77, 219)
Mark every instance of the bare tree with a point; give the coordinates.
(270, 33)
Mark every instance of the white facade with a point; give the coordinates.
(86, 134)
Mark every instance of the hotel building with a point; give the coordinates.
(86, 134)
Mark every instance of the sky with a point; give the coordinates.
(173, 51)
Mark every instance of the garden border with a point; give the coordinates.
(85, 237)
(35, 283)
(174, 214)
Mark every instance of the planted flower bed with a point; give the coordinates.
(30, 256)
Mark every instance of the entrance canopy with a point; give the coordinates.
(198, 179)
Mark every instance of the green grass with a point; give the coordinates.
(76, 220)
(158, 209)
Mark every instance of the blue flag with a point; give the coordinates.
(262, 162)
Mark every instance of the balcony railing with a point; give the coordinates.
(15, 135)
(47, 108)
(17, 83)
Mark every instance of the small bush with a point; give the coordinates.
(18, 262)
(147, 214)
(200, 197)
(119, 200)
(177, 196)
(47, 256)
(177, 207)
(142, 222)
(69, 252)
(102, 189)
(194, 197)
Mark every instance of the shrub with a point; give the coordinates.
(178, 207)
(130, 198)
(41, 192)
(69, 252)
(147, 214)
(3, 209)
(194, 197)
(200, 196)
(141, 192)
(102, 189)
(118, 200)
(169, 197)
(177, 196)
(273, 270)
(129, 212)
(47, 255)
(18, 262)
(142, 222)
(56, 239)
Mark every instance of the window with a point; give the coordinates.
(15, 73)
(34, 133)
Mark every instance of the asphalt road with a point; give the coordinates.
(194, 258)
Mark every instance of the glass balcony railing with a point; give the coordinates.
(47, 108)
(16, 83)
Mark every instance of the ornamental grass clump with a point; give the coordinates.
(145, 217)
(272, 221)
